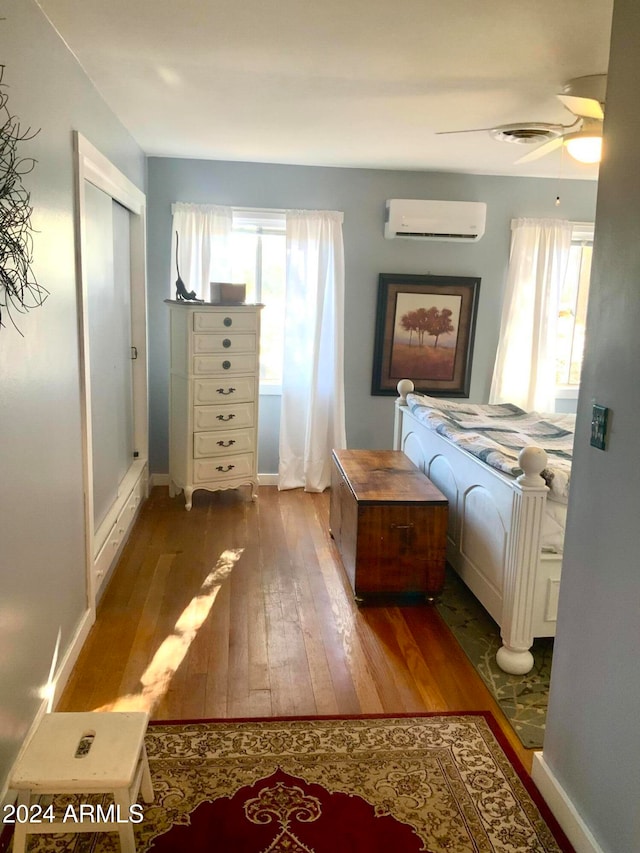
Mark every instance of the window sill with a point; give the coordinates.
(270, 389)
(568, 392)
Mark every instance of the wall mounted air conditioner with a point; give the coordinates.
(456, 221)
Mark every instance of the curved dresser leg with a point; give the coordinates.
(188, 494)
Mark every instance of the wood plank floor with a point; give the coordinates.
(242, 609)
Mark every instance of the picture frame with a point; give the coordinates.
(425, 328)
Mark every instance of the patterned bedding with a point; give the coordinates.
(497, 433)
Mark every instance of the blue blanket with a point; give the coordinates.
(497, 433)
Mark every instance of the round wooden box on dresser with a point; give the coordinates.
(213, 421)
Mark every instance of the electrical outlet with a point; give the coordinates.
(599, 416)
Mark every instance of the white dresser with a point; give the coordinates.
(213, 420)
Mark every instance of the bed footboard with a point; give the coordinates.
(495, 526)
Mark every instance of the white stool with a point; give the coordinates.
(114, 760)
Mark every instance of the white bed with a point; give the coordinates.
(505, 535)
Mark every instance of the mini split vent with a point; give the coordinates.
(452, 221)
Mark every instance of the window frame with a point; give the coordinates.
(582, 233)
(261, 222)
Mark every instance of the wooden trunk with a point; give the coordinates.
(389, 523)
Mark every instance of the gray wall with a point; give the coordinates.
(42, 572)
(592, 743)
(361, 194)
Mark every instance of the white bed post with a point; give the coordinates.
(405, 386)
(523, 553)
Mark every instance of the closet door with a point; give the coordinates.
(112, 298)
(109, 315)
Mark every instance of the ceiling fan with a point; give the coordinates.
(582, 96)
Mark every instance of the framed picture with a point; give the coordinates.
(425, 326)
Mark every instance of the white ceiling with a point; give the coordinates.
(357, 83)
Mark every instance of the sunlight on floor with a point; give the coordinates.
(48, 692)
(155, 680)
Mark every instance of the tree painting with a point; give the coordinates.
(425, 327)
(425, 335)
(427, 321)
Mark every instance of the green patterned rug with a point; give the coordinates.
(523, 698)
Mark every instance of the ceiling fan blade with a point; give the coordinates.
(586, 107)
(542, 150)
(468, 130)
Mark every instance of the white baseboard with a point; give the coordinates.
(58, 684)
(163, 480)
(268, 479)
(71, 655)
(563, 809)
(158, 480)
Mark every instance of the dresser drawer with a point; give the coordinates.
(210, 470)
(107, 554)
(223, 443)
(230, 416)
(224, 364)
(135, 499)
(119, 531)
(224, 343)
(207, 391)
(224, 321)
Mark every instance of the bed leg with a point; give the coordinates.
(514, 661)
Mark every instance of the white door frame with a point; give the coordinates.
(94, 168)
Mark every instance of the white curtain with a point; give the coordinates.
(312, 418)
(204, 246)
(526, 359)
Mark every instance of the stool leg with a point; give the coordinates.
(127, 840)
(20, 831)
(146, 785)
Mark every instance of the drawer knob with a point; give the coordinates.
(225, 417)
(226, 343)
(226, 365)
(227, 321)
(226, 443)
(225, 391)
(223, 469)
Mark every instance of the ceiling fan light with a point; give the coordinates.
(586, 148)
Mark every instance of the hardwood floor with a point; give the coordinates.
(242, 609)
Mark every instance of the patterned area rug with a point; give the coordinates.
(437, 783)
(523, 698)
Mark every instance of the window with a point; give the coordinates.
(258, 247)
(572, 310)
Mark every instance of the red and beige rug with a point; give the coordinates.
(440, 783)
